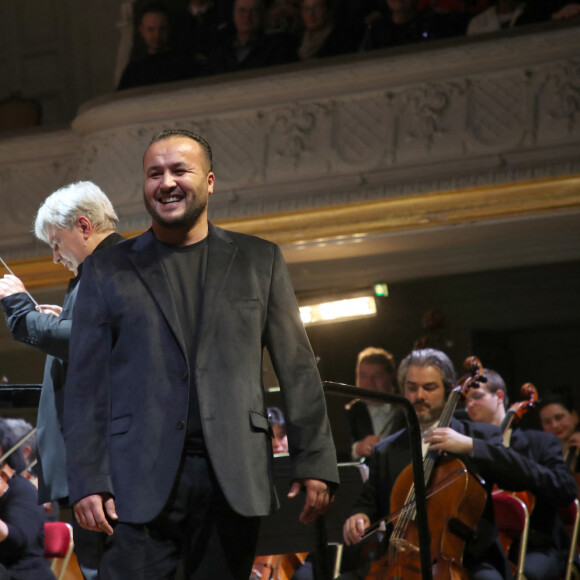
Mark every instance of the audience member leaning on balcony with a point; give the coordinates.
(322, 36)
(248, 45)
(161, 64)
(404, 23)
(509, 13)
(198, 27)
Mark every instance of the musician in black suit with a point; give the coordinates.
(21, 518)
(74, 221)
(370, 421)
(426, 377)
(166, 426)
(548, 542)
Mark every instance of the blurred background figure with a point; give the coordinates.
(247, 45)
(20, 428)
(322, 36)
(21, 518)
(403, 22)
(559, 417)
(280, 437)
(284, 16)
(161, 63)
(371, 421)
(199, 27)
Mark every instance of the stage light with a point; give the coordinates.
(338, 310)
(381, 289)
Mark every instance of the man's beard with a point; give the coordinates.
(430, 415)
(185, 221)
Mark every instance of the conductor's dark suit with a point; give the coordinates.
(128, 359)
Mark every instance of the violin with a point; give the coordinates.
(455, 502)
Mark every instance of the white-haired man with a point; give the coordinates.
(74, 221)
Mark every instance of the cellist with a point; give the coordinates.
(426, 377)
(553, 487)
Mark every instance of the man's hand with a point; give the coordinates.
(364, 447)
(10, 285)
(52, 309)
(446, 439)
(574, 440)
(318, 498)
(91, 515)
(354, 528)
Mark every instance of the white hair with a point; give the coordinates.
(63, 208)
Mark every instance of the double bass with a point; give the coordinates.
(455, 502)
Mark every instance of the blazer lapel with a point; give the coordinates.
(149, 267)
(221, 254)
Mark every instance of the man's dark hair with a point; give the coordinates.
(563, 399)
(7, 441)
(154, 8)
(428, 357)
(169, 133)
(494, 384)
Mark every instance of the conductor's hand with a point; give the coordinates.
(354, 528)
(90, 512)
(52, 309)
(318, 498)
(10, 285)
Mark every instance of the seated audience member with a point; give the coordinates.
(161, 64)
(546, 10)
(21, 519)
(559, 417)
(322, 37)
(404, 23)
(465, 6)
(198, 28)
(247, 46)
(279, 437)
(427, 377)
(284, 16)
(548, 541)
(503, 14)
(371, 421)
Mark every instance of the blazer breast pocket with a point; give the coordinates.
(259, 422)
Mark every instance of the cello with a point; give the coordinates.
(455, 502)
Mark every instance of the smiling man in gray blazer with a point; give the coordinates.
(167, 436)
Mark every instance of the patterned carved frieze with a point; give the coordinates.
(444, 117)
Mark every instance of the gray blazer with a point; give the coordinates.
(128, 386)
(50, 335)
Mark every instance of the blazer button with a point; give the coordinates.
(184, 376)
(180, 425)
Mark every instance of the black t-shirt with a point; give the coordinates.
(185, 267)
